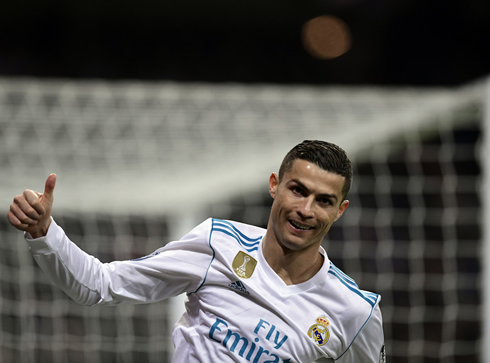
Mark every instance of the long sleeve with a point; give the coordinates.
(176, 268)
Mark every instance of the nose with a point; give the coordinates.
(305, 208)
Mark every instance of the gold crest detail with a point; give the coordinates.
(319, 331)
(244, 265)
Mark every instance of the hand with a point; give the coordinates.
(31, 211)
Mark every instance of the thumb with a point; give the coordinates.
(49, 187)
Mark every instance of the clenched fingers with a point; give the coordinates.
(19, 218)
(27, 207)
(34, 199)
(14, 221)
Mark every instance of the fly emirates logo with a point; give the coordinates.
(252, 351)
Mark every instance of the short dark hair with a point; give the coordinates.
(326, 155)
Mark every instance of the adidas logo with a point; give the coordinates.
(237, 285)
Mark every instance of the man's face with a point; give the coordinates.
(307, 201)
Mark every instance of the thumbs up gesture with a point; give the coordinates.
(31, 211)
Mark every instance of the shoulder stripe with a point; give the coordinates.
(369, 297)
(342, 273)
(250, 244)
(344, 279)
(369, 293)
(226, 224)
(353, 289)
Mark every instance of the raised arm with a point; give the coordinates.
(31, 211)
(178, 267)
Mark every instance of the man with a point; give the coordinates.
(253, 295)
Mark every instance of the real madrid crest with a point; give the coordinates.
(319, 331)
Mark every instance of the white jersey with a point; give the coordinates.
(238, 309)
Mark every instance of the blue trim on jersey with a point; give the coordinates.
(219, 225)
(249, 244)
(230, 225)
(343, 277)
(351, 285)
(353, 340)
(342, 273)
(369, 297)
(145, 257)
(210, 263)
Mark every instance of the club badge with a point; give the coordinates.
(244, 265)
(319, 331)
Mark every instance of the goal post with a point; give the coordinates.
(485, 192)
(139, 164)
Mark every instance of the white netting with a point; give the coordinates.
(113, 139)
(133, 159)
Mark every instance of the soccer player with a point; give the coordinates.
(253, 295)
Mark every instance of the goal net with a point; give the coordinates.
(139, 164)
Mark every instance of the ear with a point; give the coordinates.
(342, 208)
(273, 183)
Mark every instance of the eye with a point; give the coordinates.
(325, 201)
(297, 190)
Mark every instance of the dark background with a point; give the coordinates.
(402, 42)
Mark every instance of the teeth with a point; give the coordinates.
(300, 226)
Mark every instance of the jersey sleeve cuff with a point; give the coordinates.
(46, 244)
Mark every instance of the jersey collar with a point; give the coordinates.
(319, 278)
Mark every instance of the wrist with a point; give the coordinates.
(43, 231)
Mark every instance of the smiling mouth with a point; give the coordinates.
(300, 226)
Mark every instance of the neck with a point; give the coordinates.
(293, 267)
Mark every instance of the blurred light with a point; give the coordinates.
(326, 37)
